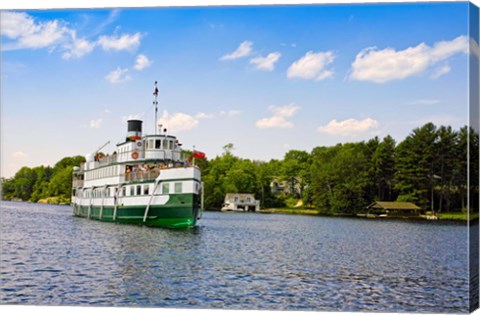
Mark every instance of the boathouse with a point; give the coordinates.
(394, 208)
(240, 202)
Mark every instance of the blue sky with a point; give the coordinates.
(267, 79)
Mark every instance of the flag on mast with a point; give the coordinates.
(155, 92)
(198, 154)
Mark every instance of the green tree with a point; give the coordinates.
(23, 183)
(266, 173)
(384, 164)
(241, 178)
(447, 151)
(466, 165)
(40, 188)
(340, 178)
(295, 170)
(214, 179)
(370, 148)
(414, 166)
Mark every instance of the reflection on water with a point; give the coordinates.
(233, 260)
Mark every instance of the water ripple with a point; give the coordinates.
(232, 260)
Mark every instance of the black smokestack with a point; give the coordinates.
(134, 129)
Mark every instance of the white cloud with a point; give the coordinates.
(123, 42)
(266, 63)
(204, 115)
(243, 50)
(385, 65)
(424, 102)
(19, 155)
(78, 48)
(14, 25)
(279, 118)
(118, 76)
(312, 66)
(142, 62)
(22, 31)
(181, 121)
(284, 111)
(96, 123)
(25, 33)
(274, 122)
(440, 71)
(349, 127)
(178, 121)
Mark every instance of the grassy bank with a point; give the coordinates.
(58, 200)
(291, 211)
(457, 216)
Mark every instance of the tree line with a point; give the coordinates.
(429, 168)
(41, 182)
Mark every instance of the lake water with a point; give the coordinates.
(233, 261)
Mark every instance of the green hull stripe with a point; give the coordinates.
(179, 211)
(164, 217)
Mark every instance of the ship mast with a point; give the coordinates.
(155, 102)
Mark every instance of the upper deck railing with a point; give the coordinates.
(120, 157)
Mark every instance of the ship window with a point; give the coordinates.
(178, 188)
(151, 143)
(146, 189)
(157, 144)
(124, 191)
(146, 144)
(165, 188)
(132, 190)
(165, 144)
(170, 144)
(139, 190)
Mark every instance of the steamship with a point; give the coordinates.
(148, 180)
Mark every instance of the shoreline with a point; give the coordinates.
(444, 217)
(447, 216)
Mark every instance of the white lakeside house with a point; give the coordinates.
(240, 202)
